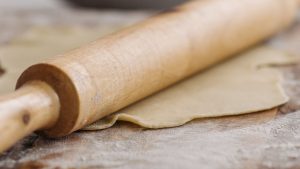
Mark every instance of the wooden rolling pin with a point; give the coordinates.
(75, 89)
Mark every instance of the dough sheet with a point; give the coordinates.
(246, 83)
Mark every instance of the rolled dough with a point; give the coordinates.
(248, 83)
(38, 44)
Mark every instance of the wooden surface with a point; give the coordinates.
(260, 140)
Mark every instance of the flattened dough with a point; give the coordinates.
(241, 85)
(38, 44)
(247, 83)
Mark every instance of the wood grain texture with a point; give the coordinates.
(250, 141)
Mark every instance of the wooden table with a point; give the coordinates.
(259, 140)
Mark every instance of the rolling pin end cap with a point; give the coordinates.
(67, 94)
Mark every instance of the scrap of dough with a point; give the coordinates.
(39, 44)
(241, 85)
(244, 84)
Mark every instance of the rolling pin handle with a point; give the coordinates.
(34, 106)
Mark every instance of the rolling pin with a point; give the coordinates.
(70, 91)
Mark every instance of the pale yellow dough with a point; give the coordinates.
(38, 44)
(241, 85)
(244, 84)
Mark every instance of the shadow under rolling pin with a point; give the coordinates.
(65, 94)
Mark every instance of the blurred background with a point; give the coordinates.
(17, 15)
(34, 30)
(126, 4)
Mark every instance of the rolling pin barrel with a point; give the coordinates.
(115, 71)
(104, 76)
